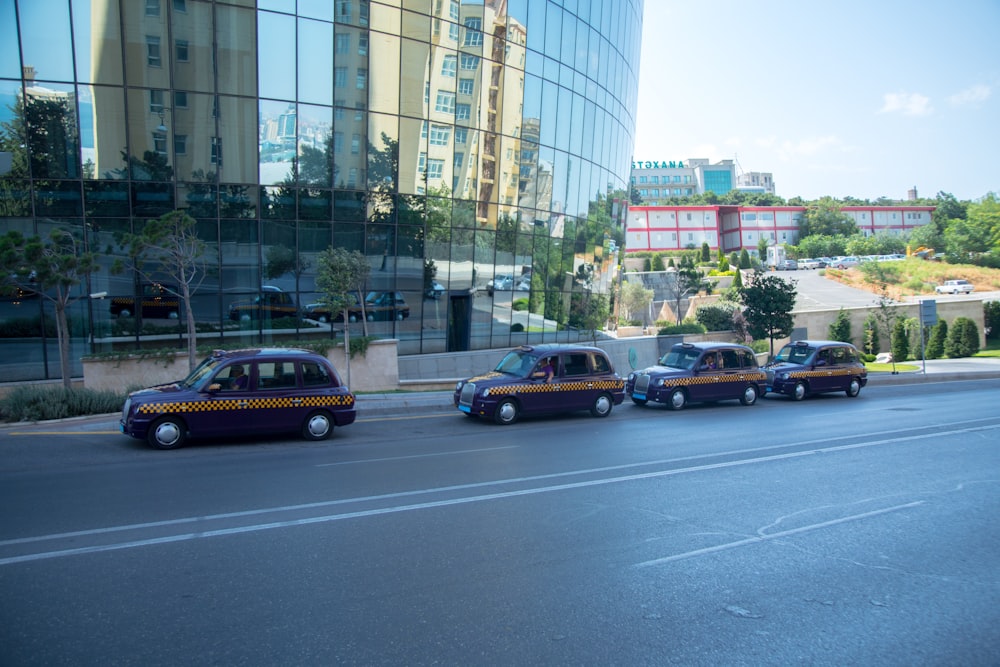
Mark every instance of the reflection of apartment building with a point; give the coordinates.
(671, 228)
(755, 181)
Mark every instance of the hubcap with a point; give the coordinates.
(167, 433)
(507, 411)
(603, 405)
(319, 426)
(677, 399)
(800, 391)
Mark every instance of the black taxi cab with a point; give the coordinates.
(805, 367)
(243, 392)
(699, 372)
(543, 379)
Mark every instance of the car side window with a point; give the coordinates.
(837, 355)
(601, 364)
(748, 360)
(275, 375)
(575, 364)
(314, 375)
(730, 360)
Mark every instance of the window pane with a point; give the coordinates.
(276, 64)
(46, 39)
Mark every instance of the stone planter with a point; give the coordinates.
(376, 370)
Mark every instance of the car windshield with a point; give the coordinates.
(517, 362)
(680, 357)
(795, 354)
(199, 376)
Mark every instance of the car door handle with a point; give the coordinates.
(296, 401)
(242, 403)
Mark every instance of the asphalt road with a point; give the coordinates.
(832, 531)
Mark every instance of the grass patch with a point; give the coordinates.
(888, 368)
(36, 403)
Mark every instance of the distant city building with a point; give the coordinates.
(755, 181)
(659, 180)
(671, 228)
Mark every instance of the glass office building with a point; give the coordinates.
(449, 142)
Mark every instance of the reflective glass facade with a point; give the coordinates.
(448, 141)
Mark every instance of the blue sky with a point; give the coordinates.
(862, 98)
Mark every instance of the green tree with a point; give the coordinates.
(963, 339)
(825, 217)
(886, 316)
(935, 342)
(170, 245)
(657, 264)
(53, 268)
(281, 260)
(588, 311)
(900, 341)
(991, 319)
(840, 328)
(872, 343)
(716, 316)
(686, 281)
(635, 299)
(340, 273)
(745, 262)
(767, 306)
(706, 252)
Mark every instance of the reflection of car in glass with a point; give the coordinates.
(955, 287)
(156, 299)
(816, 366)
(270, 303)
(378, 306)
(582, 378)
(500, 283)
(434, 291)
(285, 391)
(696, 372)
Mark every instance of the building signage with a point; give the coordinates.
(657, 164)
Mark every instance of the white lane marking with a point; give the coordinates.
(428, 505)
(774, 536)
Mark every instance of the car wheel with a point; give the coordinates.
(507, 412)
(639, 401)
(322, 319)
(172, 315)
(602, 406)
(399, 316)
(677, 399)
(352, 318)
(166, 433)
(800, 391)
(317, 426)
(244, 317)
(854, 388)
(125, 312)
(371, 317)
(749, 396)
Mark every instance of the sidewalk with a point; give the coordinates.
(937, 370)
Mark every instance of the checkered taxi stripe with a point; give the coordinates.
(836, 372)
(542, 388)
(346, 400)
(713, 379)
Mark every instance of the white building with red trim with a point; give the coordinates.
(671, 228)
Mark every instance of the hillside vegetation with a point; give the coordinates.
(914, 277)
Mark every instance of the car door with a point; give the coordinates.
(731, 378)
(577, 390)
(707, 385)
(277, 404)
(821, 376)
(224, 411)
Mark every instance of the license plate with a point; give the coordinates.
(465, 408)
(121, 427)
(641, 397)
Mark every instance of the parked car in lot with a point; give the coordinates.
(698, 372)
(270, 303)
(955, 287)
(155, 300)
(239, 393)
(434, 291)
(812, 263)
(500, 283)
(543, 379)
(806, 367)
(787, 265)
(845, 262)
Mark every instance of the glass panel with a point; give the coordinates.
(191, 48)
(414, 77)
(46, 40)
(384, 18)
(149, 43)
(58, 198)
(236, 44)
(276, 63)
(102, 131)
(54, 143)
(237, 123)
(10, 56)
(385, 80)
(316, 9)
(417, 26)
(315, 158)
(277, 134)
(315, 62)
(106, 199)
(98, 43)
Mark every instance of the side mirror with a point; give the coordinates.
(539, 375)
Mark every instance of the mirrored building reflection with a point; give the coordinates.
(476, 153)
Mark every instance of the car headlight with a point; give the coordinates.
(459, 385)
(631, 377)
(659, 382)
(782, 376)
(486, 392)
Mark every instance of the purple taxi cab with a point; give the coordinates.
(699, 372)
(242, 392)
(806, 367)
(543, 379)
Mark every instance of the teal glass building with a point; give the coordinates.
(447, 141)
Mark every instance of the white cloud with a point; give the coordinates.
(971, 95)
(910, 104)
(789, 150)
